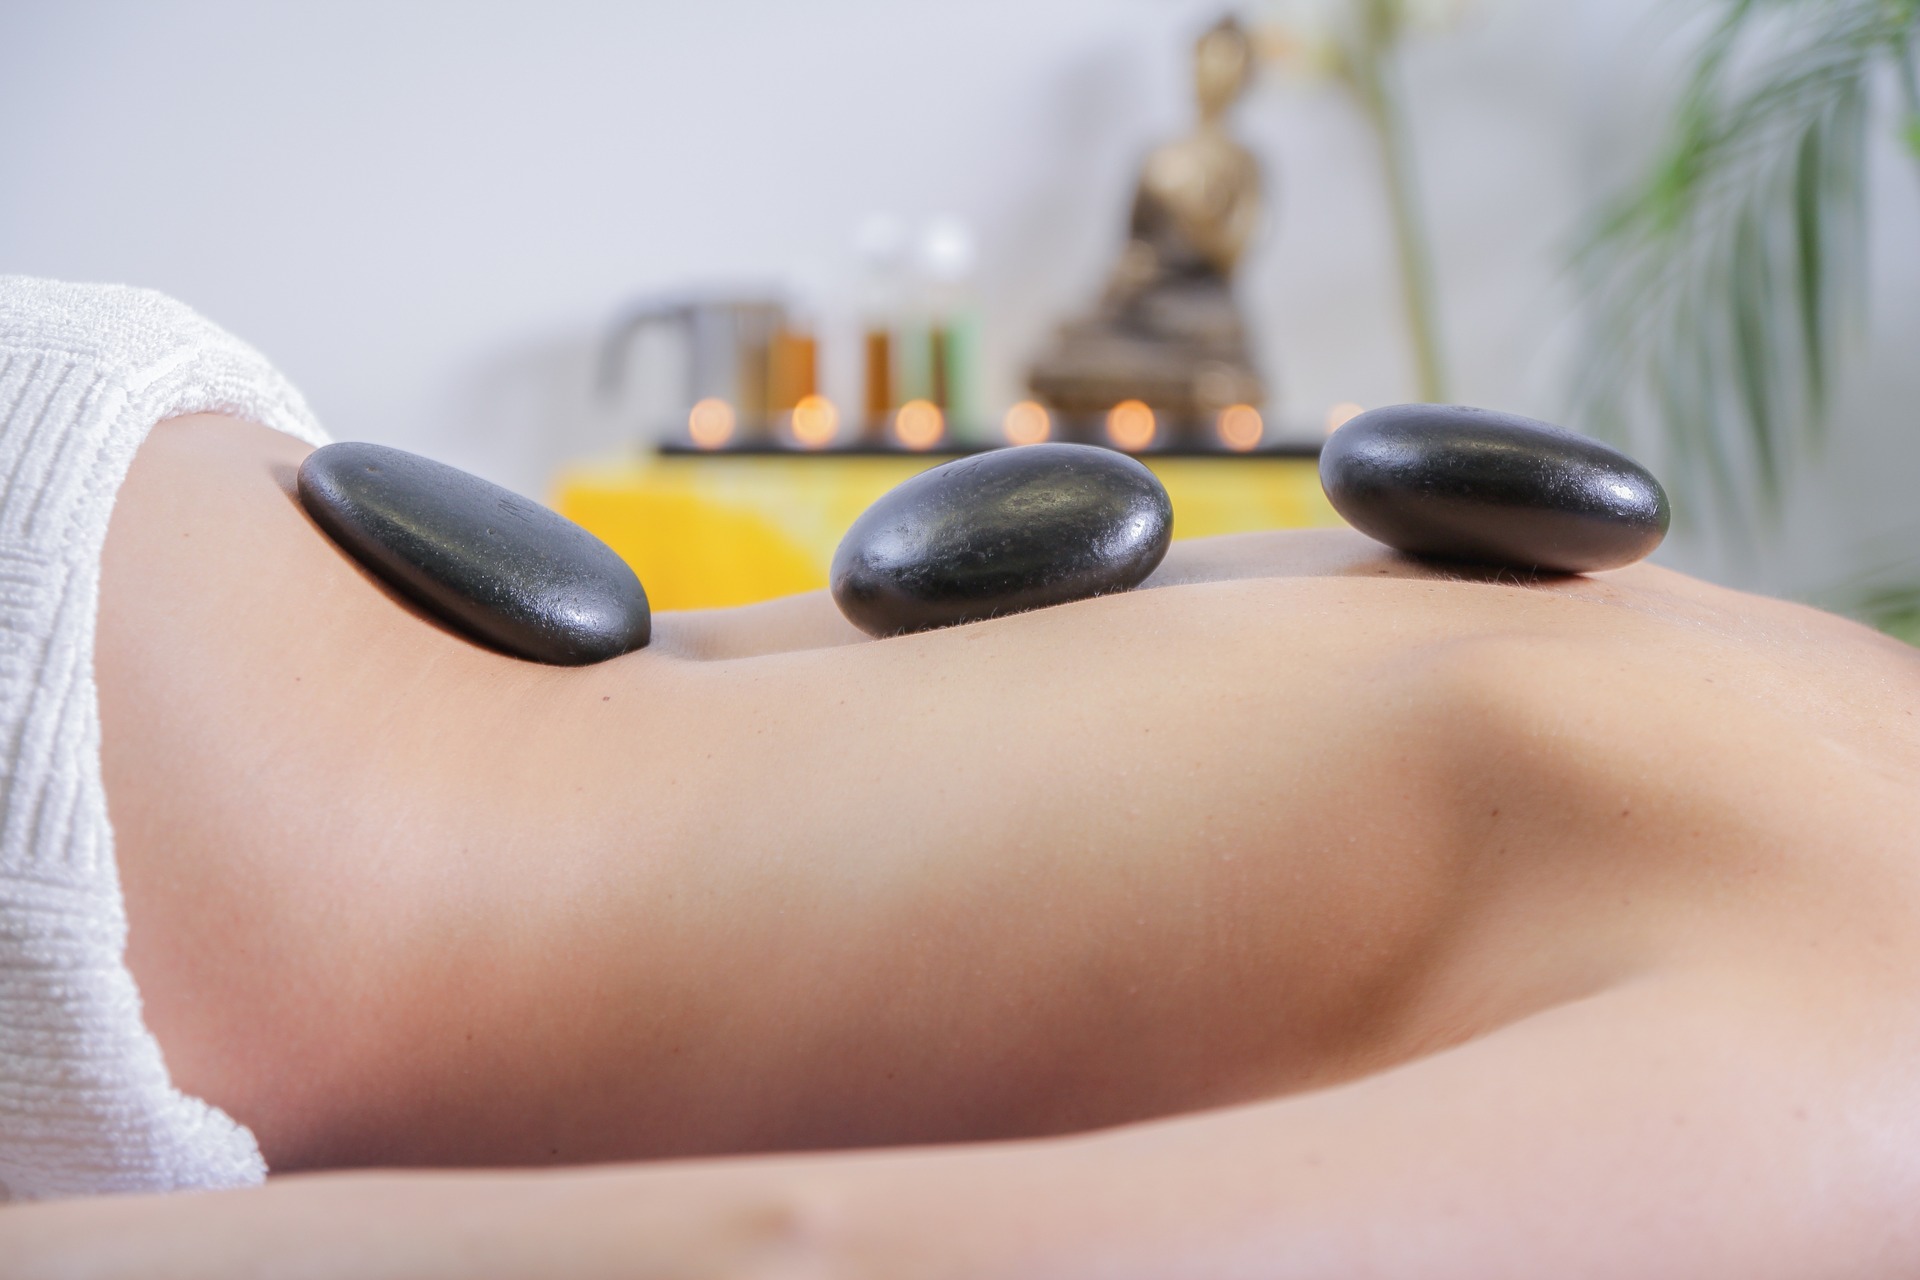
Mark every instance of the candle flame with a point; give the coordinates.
(919, 424)
(815, 421)
(1130, 425)
(1027, 423)
(1341, 414)
(1240, 427)
(710, 425)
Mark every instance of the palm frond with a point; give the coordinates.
(1724, 286)
(1908, 75)
(1884, 589)
(1894, 610)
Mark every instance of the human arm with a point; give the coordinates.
(1677, 1126)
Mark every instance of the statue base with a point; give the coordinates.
(1179, 348)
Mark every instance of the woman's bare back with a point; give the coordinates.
(1297, 813)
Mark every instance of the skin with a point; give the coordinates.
(1307, 913)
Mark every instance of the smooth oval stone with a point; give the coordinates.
(1456, 483)
(1001, 532)
(484, 560)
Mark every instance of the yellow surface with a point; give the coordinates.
(706, 532)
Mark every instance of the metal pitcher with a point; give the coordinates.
(731, 346)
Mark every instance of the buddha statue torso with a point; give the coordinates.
(1168, 330)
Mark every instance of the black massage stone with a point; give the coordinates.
(1454, 483)
(1001, 532)
(482, 559)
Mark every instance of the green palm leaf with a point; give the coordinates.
(1724, 286)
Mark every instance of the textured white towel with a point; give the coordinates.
(85, 1101)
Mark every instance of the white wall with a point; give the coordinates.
(426, 211)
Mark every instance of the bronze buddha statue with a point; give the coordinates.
(1168, 331)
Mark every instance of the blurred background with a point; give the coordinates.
(434, 215)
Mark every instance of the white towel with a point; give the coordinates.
(86, 1104)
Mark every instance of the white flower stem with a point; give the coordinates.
(1372, 77)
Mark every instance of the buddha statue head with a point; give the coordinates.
(1222, 67)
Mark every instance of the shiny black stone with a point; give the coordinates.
(1454, 483)
(482, 559)
(1001, 532)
